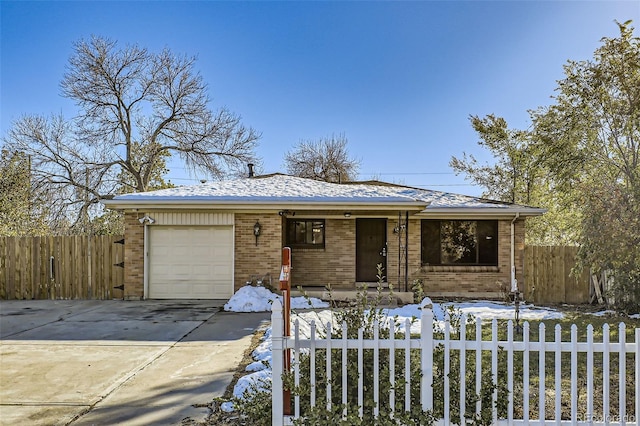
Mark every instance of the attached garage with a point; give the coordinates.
(189, 256)
(206, 241)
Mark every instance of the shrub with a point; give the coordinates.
(626, 288)
(366, 315)
(418, 290)
(255, 403)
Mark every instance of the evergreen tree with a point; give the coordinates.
(20, 212)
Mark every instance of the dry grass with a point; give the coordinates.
(581, 318)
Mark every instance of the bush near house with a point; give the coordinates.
(366, 313)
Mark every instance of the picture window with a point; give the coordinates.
(305, 233)
(460, 242)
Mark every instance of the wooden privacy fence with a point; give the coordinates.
(62, 267)
(584, 382)
(548, 277)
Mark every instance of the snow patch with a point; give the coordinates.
(259, 299)
(252, 299)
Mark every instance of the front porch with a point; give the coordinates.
(346, 296)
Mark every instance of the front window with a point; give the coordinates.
(305, 233)
(460, 242)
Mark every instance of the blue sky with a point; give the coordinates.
(399, 79)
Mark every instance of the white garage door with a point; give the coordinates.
(190, 262)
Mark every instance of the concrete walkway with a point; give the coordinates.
(117, 362)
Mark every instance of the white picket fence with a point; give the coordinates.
(599, 352)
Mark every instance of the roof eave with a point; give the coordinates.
(480, 212)
(249, 205)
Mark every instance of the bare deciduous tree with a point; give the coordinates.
(326, 159)
(137, 108)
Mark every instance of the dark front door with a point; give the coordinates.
(371, 248)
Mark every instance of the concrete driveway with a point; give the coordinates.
(117, 362)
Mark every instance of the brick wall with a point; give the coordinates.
(261, 259)
(465, 281)
(335, 264)
(133, 257)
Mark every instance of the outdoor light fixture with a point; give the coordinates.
(347, 214)
(397, 229)
(147, 219)
(256, 231)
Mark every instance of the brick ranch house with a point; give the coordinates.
(200, 242)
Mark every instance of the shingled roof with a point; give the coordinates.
(279, 190)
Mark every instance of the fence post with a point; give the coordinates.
(277, 410)
(426, 357)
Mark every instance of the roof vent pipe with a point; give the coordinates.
(251, 173)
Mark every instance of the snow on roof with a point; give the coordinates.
(283, 188)
(274, 188)
(439, 199)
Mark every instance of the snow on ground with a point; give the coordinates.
(256, 299)
(259, 299)
(489, 310)
(603, 313)
(611, 312)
